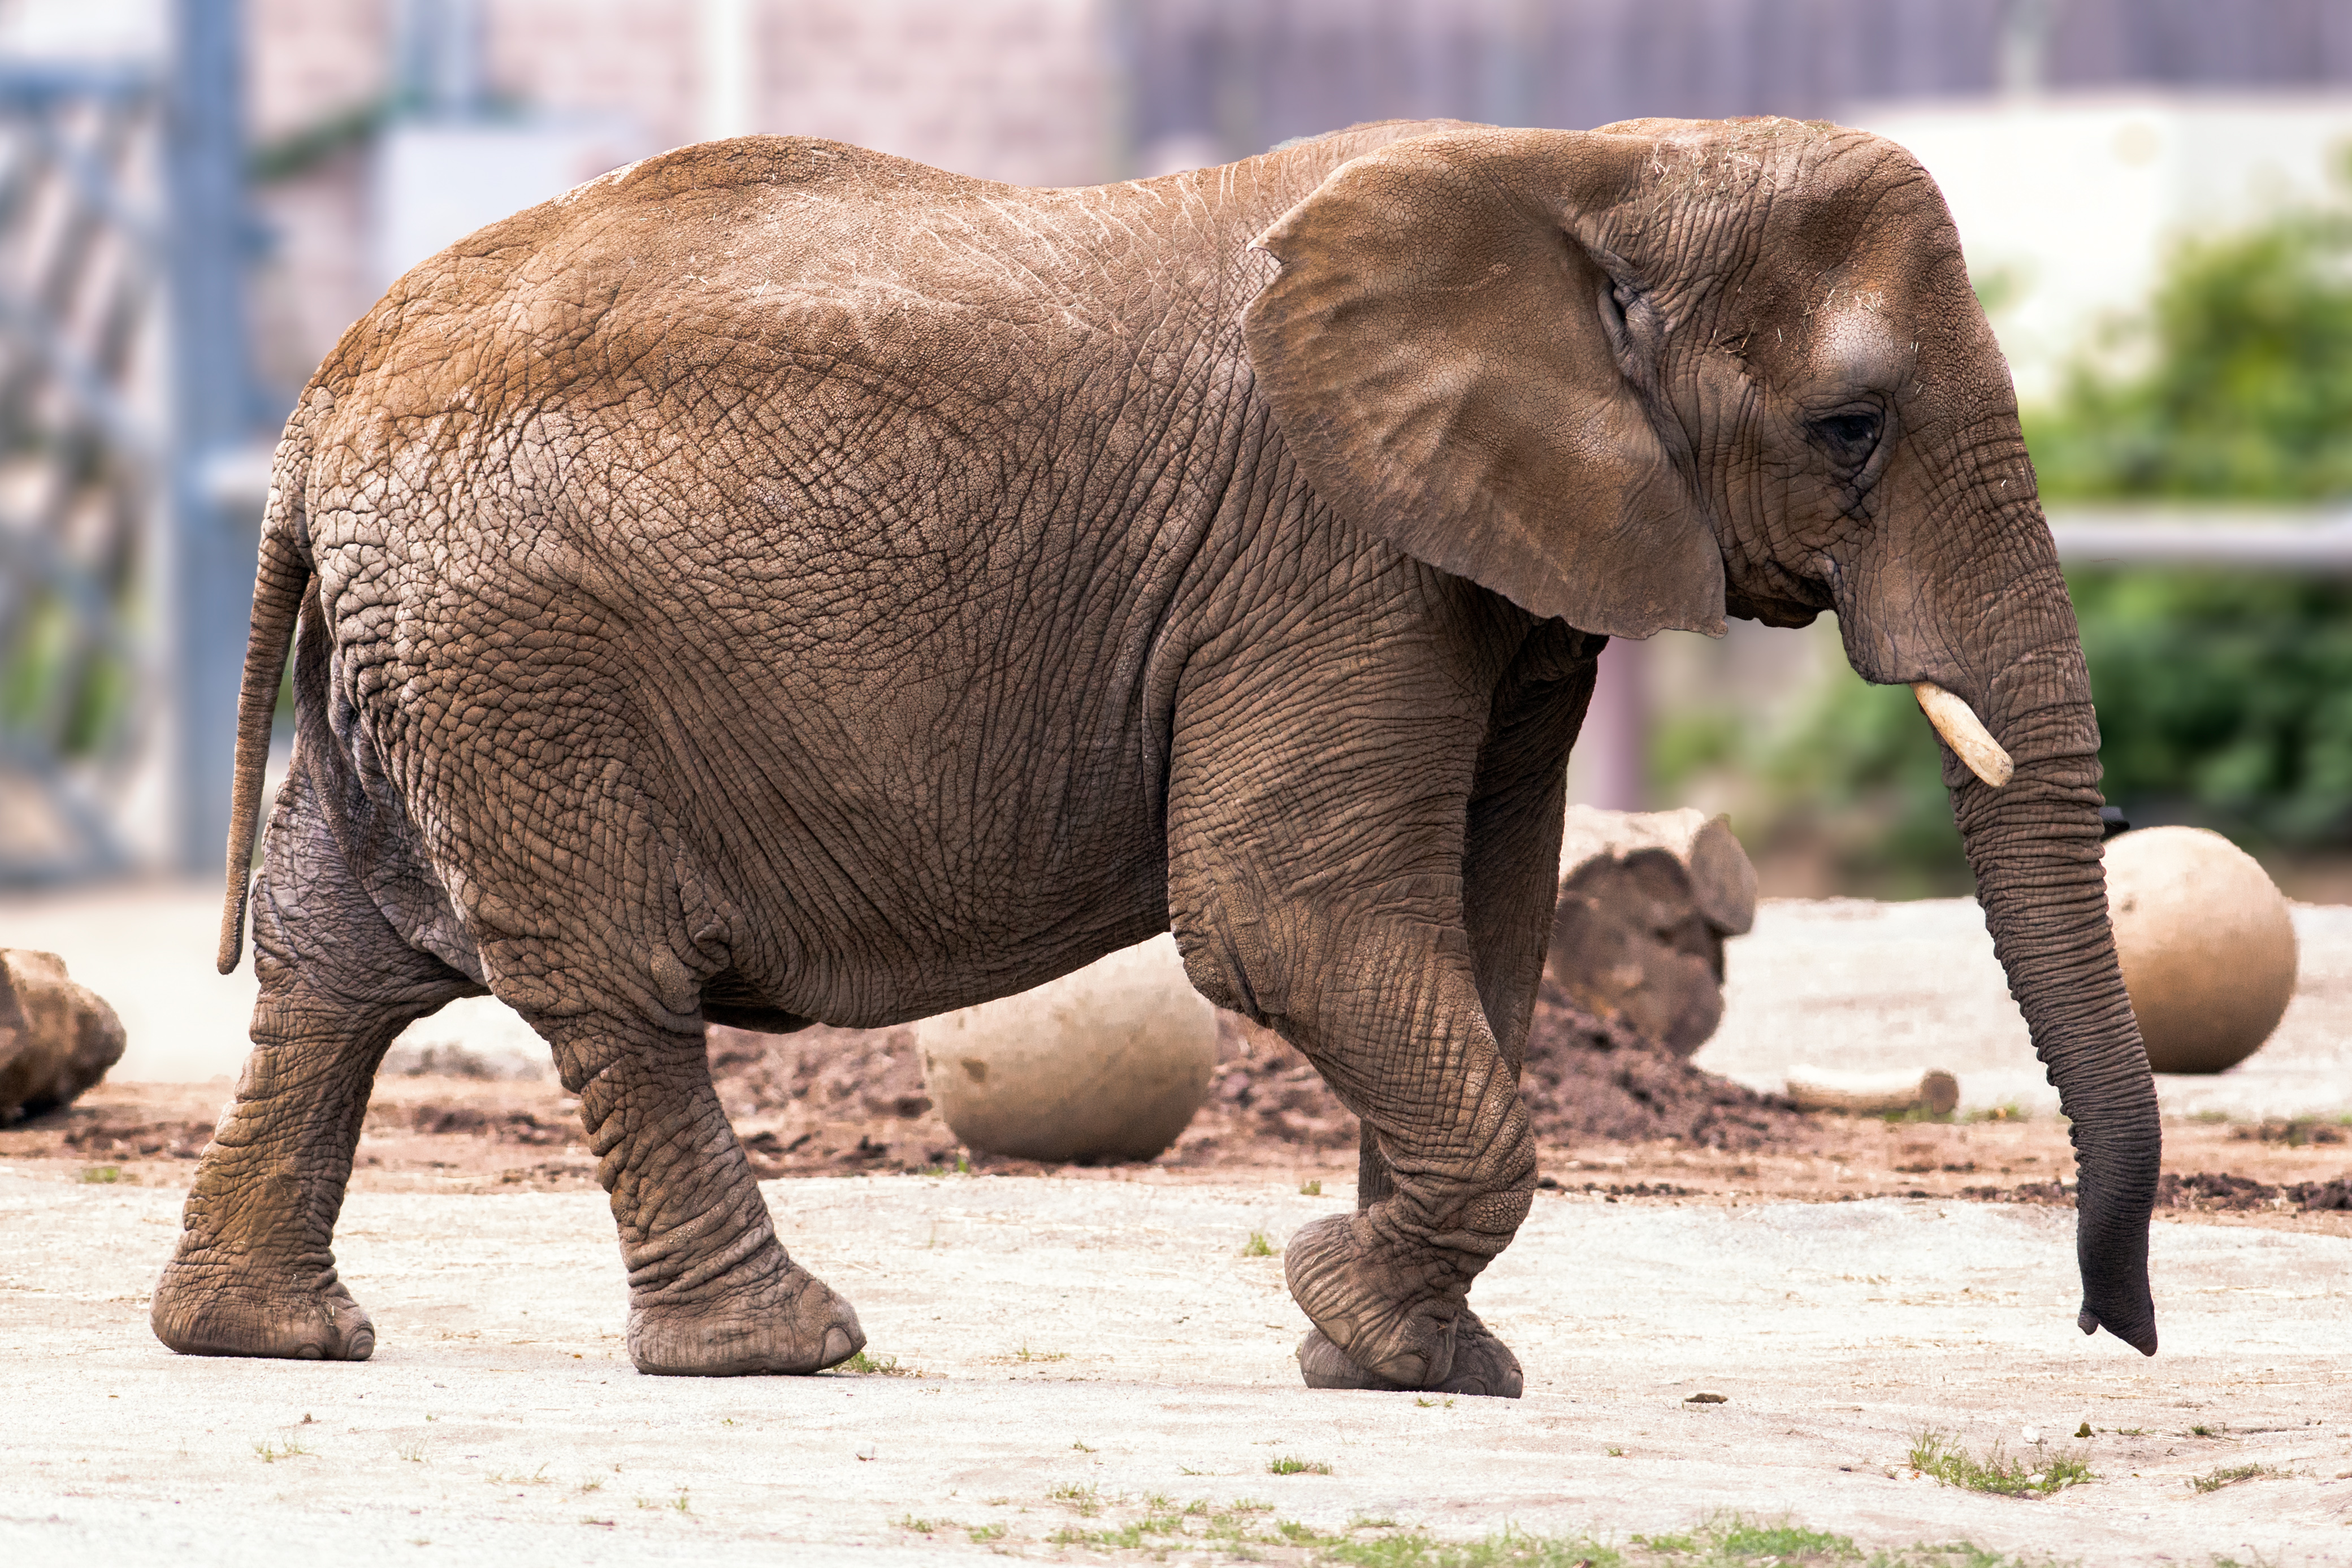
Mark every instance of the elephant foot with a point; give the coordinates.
(1370, 1300)
(1483, 1364)
(203, 1310)
(793, 1323)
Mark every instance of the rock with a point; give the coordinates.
(1109, 1063)
(1645, 901)
(2207, 947)
(57, 1038)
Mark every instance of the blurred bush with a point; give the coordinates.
(2225, 697)
(2246, 394)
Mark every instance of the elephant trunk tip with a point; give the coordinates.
(2142, 1341)
(1965, 732)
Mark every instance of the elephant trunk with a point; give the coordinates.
(2034, 844)
(2012, 657)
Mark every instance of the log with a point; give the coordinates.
(1875, 1093)
(57, 1038)
(1646, 901)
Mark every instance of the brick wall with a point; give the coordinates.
(1006, 89)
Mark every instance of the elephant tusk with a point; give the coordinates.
(1964, 733)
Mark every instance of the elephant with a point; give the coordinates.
(776, 582)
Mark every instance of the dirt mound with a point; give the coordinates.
(1596, 1079)
(832, 1099)
(854, 1100)
(90, 1132)
(2200, 1192)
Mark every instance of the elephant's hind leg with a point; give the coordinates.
(253, 1273)
(711, 1291)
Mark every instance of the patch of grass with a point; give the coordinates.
(1025, 1355)
(1424, 1402)
(1744, 1541)
(1085, 1498)
(591, 1485)
(2131, 1431)
(2231, 1475)
(102, 1175)
(1509, 1549)
(1936, 1454)
(981, 1534)
(2008, 1111)
(1290, 1464)
(2202, 1430)
(269, 1453)
(1081, 1448)
(1235, 1530)
(538, 1478)
(1259, 1246)
(413, 1453)
(1616, 1453)
(1311, 1189)
(679, 1502)
(919, 1526)
(864, 1365)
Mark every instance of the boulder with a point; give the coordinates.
(1109, 1063)
(1645, 901)
(2207, 946)
(57, 1038)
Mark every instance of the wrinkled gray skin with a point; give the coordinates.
(778, 582)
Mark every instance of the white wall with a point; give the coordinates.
(2067, 207)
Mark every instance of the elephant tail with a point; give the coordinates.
(279, 583)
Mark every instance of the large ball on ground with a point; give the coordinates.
(1107, 1063)
(2207, 946)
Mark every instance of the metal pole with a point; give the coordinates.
(211, 551)
(2244, 537)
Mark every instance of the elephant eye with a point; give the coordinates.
(1850, 437)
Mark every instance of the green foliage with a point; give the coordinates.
(2224, 697)
(2247, 392)
(1290, 1464)
(864, 1365)
(1258, 1246)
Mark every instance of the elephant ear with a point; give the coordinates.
(1456, 372)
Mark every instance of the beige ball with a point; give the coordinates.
(1108, 1063)
(2207, 947)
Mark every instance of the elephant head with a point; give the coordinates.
(1648, 376)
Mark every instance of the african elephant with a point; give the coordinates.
(776, 582)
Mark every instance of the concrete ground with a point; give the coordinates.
(1091, 1344)
(1087, 1345)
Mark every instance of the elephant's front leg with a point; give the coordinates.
(1386, 1286)
(1510, 887)
(1316, 882)
(711, 1291)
